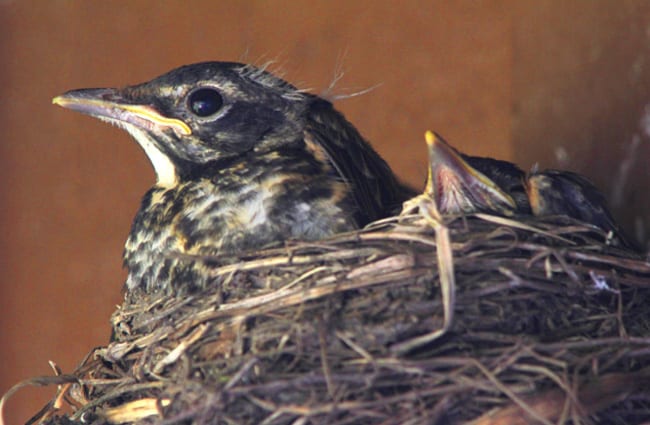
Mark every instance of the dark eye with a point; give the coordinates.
(205, 102)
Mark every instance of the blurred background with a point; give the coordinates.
(565, 84)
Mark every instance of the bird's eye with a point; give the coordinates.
(205, 102)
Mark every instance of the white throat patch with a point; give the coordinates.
(165, 170)
(166, 175)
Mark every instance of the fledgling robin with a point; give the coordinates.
(243, 160)
(553, 192)
(466, 184)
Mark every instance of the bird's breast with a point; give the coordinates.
(220, 216)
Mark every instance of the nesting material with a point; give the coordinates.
(415, 320)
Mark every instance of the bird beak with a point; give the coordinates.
(109, 105)
(457, 187)
(535, 185)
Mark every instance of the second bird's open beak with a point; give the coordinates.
(109, 105)
(457, 187)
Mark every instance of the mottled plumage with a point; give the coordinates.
(244, 160)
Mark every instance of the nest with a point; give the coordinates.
(414, 320)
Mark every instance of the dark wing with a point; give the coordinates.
(376, 191)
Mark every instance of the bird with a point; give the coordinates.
(463, 184)
(243, 160)
(554, 192)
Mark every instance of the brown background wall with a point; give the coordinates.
(517, 80)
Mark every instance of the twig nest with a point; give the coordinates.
(539, 322)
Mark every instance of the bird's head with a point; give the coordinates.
(198, 114)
